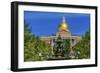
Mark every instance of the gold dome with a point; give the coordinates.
(63, 26)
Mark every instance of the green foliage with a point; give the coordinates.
(83, 47)
(66, 46)
(34, 48)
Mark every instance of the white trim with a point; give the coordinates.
(22, 64)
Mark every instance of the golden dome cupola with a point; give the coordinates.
(63, 26)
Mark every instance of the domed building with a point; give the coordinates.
(63, 26)
(63, 29)
(64, 33)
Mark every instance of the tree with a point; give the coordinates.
(83, 47)
(34, 48)
(29, 42)
(66, 46)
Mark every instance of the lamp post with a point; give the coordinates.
(40, 56)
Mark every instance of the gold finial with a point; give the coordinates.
(63, 26)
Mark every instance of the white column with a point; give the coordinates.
(52, 44)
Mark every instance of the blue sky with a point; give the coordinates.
(46, 23)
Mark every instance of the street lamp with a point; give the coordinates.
(40, 56)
